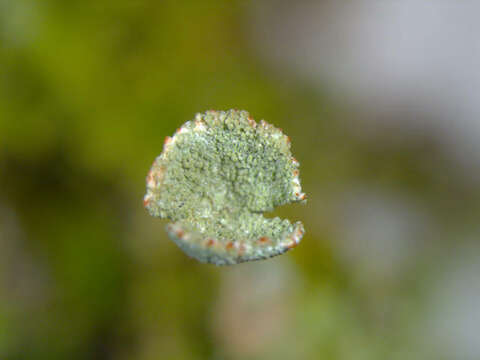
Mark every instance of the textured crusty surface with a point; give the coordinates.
(213, 180)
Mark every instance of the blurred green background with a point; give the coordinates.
(388, 268)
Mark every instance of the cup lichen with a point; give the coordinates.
(215, 177)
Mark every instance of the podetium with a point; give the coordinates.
(215, 177)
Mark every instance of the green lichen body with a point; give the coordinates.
(214, 179)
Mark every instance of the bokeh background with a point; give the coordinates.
(381, 100)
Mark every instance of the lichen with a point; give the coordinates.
(215, 178)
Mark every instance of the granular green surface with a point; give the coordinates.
(214, 179)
